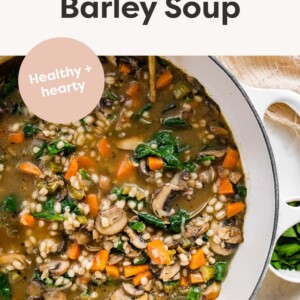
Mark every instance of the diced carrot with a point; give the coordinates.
(124, 68)
(225, 187)
(112, 271)
(138, 278)
(93, 202)
(234, 208)
(104, 147)
(126, 169)
(74, 251)
(134, 270)
(164, 79)
(73, 169)
(196, 278)
(158, 253)
(197, 260)
(29, 168)
(183, 281)
(100, 261)
(155, 163)
(85, 162)
(213, 291)
(133, 89)
(16, 138)
(231, 159)
(27, 220)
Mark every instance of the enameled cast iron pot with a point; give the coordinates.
(244, 116)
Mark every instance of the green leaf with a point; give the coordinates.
(190, 166)
(67, 149)
(298, 228)
(206, 158)
(10, 204)
(10, 83)
(288, 249)
(221, 269)
(30, 130)
(140, 113)
(152, 220)
(141, 260)
(49, 216)
(275, 256)
(290, 233)
(5, 292)
(175, 123)
(276, 265)
(41, 152)
(194, 293)
(137, 226)
(84, 174)
(178, 220)
(240, 191)
(111, 95)
(72, 204)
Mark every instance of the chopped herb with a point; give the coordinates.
(72, 204)
(170, 286)
(10, 204)
(141, 260)
(5, 292)
(152, 220)
(240, 192)
(174, 123)
(206, 158)
(117, 191)
(49, 217)
(137, 226)
(30, 130)
(178, 220)
(190, 166)
(140, 113)
(194, 293)
(111, 95)
(221, 269)
(84, 174)
(42, 151)
(67, 149)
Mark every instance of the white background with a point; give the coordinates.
(264, 27)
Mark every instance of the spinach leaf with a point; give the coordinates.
(30, 130)
(48, 216)
(10, 204)
(194, 293)
(152, 220)
(67, 149)
(137, 226)
(72, 204)
(139, 114)
(221, 269)
(84, 174)
(10, 83)
(190, 166)
(167, 148)
(141, 260)
(240, 191)
(178, 220)
(175, 123)
(41, 152)
(206, 158)
(5, 292)
(111, 95)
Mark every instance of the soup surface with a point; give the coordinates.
(141, 199)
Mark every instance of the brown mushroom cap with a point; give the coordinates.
(116, 218)
(53, 295)
(55, 267)
(169, 272)
(135, 239)
(119, 295)
(12, 258)
(131, 290)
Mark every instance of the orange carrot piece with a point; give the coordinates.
(164, 79)
(100, 261)
(74, 251)
(112, 271)
(234, 208)
(93, 202)
(158, 253)
(126, 169)
(135, 270)
(104, 147)
(155, 163)
(137, 279)
(124, 68)
(196, 278)
(225, 187)
(16, 138)
(27, 220)
(85, 162)
(183, 281)
(197, 260)
(29, 168)
(231, 159)
(133, 89)
(73, 169)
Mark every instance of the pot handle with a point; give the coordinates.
(262, 99)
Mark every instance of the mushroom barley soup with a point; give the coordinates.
(141, 199)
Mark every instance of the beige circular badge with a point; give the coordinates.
(61, 80)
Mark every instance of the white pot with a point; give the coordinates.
(261, 220)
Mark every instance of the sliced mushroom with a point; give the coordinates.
(92, 248)
(34, 290)
(82, 237)
(115, 258)
(132, 252)
(129, 143)
(166, 194)
(218, 249)
(111, 221)
(135, 239)
(235, 176)
(217, 153)
(195, 231)
(19, 261)
(169, 272)
(58, 288)
(207, 176)
(231, 235)
(147, 287)
(219, 131)
(55, 267)
(131, 290)
(143, 167)
(119, 295)
(53, 295)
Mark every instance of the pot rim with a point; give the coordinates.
(273, 165)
